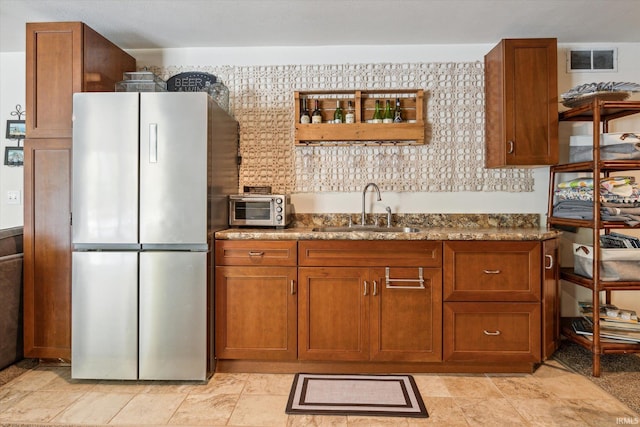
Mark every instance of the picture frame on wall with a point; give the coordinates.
(16, 129)
(14, 156)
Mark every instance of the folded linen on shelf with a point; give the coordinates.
(582, 209)
(621, 190)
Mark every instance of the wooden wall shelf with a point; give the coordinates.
(410, 131)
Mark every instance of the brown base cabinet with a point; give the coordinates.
(493, 301)
(256, 313)
(381, 306)
(350, 313)
(256, 300)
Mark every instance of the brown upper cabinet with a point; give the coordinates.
(63, 58)
(521, 103)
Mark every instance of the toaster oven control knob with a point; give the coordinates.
(278, 208)
(279, 218)
(279, 201)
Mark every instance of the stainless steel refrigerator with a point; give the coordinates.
(151, 176)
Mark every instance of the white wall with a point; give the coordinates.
(12, 92)
(459, 202)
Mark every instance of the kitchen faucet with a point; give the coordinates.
(364, 193)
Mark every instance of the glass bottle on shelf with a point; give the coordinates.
(388, 114)
(304, 115)
(316, 116)
(338, 115)
(377, 114)
(350, 116)
(397, 117)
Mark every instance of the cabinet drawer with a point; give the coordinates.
(256, 252)
(492, 271)
(501, 332)
(367, 253)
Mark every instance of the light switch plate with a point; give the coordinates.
(14, 197)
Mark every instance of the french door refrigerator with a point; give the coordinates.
(151, 176)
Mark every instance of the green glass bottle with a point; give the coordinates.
(388, 114)
(338, 115)
(377, 114)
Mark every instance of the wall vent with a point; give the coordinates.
(592, 60)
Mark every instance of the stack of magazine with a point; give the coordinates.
(616, 324)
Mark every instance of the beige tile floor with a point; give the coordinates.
(551, 396)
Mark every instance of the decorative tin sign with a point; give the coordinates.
(192, 81)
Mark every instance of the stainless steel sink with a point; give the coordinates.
(367, 228)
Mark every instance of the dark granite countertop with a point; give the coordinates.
(426, 233)
(430, 226)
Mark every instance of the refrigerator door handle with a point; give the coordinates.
(153, 143)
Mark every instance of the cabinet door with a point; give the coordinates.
(47, 248)
(492, 271)
(406, 315)
(492, 332)
(256, 313)
(550, 299)
(54, 73)
(521, 101)
(333, 306)
(63, 58)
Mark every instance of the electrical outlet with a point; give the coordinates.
(13, 197)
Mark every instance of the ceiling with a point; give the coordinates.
(148, 24)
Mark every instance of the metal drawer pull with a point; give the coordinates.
(491, 271)
(375, 288)
(496, 333)
(252, 253)
(365, 287)
(293, 287)
(550, 266)
(510, 150)
(420, 280)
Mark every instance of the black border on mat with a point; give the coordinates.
(422, 414)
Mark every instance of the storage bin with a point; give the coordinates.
(141, 81)
(613, 146)
(139, 86)
(616, 264)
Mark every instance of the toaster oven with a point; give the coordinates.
(259, 210)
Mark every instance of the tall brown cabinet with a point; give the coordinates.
(61, 58)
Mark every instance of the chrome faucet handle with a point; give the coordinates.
(377, 221)
(350, 221)
(388, 209)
